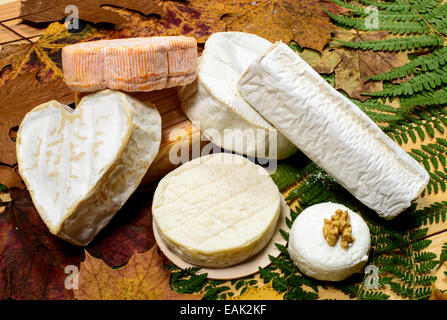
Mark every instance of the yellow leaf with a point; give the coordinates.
(142, 278)
(260, 293)
(437, 294)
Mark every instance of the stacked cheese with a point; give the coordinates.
(81, 166)
(214, 105)
(135, 64)
(217, 210)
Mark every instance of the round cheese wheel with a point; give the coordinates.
(217, 210)
(315, 257)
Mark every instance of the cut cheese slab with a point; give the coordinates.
(217, 210)
(135, 64)
(332, 131)
(315, 257)
(81, 166)
(213, 104)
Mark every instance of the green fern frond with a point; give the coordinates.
(395, 27)
(398, 5)
(443, 256)
(425, 81)
(428, 98)
(358, 10)
(396, 44)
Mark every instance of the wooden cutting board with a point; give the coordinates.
(179, 135)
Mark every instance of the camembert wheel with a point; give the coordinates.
(217, 210)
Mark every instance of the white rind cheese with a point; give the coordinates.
(213, 104)
(332, 131)
(315, 257)
(81, 166)
(217, 210)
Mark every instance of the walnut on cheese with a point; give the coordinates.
(217, 210)
(338, 225)
(213, 104)
(135, 64)
(332, 131)
(81, 166)
(314, 256)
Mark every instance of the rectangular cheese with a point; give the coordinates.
(332, 131)
(135, 64)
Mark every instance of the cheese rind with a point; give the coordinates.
(315, 257)
(81, 166)
(135, 64)
(332, 131)
(213, 104)
(217, 210)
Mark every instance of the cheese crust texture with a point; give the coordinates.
(214, 105)
(81, 166)
(315, 257)
(332, 131)
(135, 64)
(217, 210)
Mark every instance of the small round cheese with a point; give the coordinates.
(217, 210)
(315, 257)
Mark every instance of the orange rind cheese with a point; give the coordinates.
(134, 64)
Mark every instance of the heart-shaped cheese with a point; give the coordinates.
(81, 166)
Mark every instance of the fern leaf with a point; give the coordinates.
(443, 256)
(430, 98)
(425, 81)
(394, 27)
(396, 44)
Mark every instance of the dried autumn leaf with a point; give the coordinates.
(265, 292)
(18, 97)
(10, 177)
(176, 19)
(129, 231)
(45, 53)
(285, 20)
(143, 278)
(356, 66)
(93, 10)
(437, 294)
(32, 261)
(322, 63)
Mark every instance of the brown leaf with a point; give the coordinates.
(285, 20)
(357, 65)
(18, 97)
(324, 62)
(176, 19)
(10, 177)
(32, 261)
(129, 231)
(143, 278)
(92, 10)
(376, 62)
(437, 294)
(45, 53)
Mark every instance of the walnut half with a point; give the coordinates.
(338, 224)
